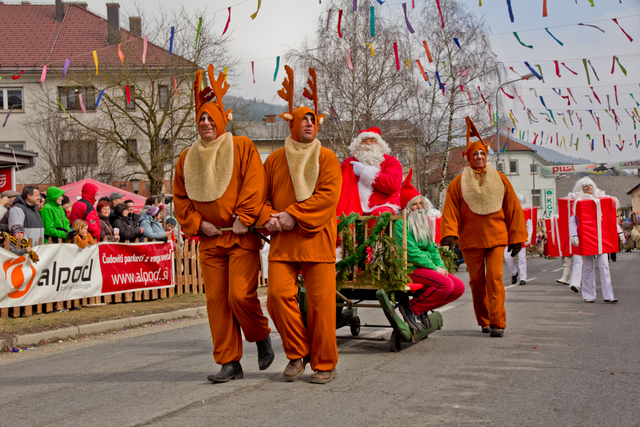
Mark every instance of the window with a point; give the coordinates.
(513, 166)
(14, 145)
(533, 168)
(70, 98)
(11, 97)
(79, 152)
(130, 105)
(163, 95)
(133, 148)
(536, 198)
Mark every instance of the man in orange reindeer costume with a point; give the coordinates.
(303, 181)
(219, 183)
(482, 211)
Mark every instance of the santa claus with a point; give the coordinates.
(371, 178)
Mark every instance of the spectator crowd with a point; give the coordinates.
(38, 217)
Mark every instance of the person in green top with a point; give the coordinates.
(56, 223)
(439, 287)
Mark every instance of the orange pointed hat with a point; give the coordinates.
(407, 192)
(474, 146)
(294, 117)
(209, 99)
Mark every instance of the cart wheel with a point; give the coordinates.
(354, 324)
(395, 345)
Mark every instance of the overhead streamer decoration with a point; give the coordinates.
(595, 95)
(406, 18)
(59, 103)
(173, 30)
(99, 98)
(328, 19)
(253, 72)
(355, 5)
(44, 74)
(538, 76)
(592, 26)
(372, 21)
(554, 37)
(349, 63)
(11, 109)
(488, 47)
(275, 75)
(540, 72)
(14, 77)
(584, 62)
(424, 75)
(339, 23)
(516, 92)
(198, 30)
(408, 61)
(371, 48)
(127, 92)
(253, 16)
(510, 10)
(66, 67)
(508, 96)
(544, 8)
(565, 66)
(557, 69)
(440, 11)
(519, 75)
(175, 82)
(481, 95)
(395, 51)
(380, 1)
(95, 59)
(615, 59)
(457, 42)
(634, 100)
(120, 54)
(569, 90)
(440, 84)
(226, 27)
(145, 40)
(520, 41)
(625, 33)
(82, 107)
(428, 52)
(593, 69)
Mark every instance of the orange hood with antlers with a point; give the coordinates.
(209, 99)
(474, 146)
(294, 117)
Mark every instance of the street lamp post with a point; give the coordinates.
(525, 77)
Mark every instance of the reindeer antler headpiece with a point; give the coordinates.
(210, 99)
(294, 117)
(474, 146)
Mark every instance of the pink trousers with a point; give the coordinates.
(437, 290)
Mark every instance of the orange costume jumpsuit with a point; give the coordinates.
(482, 239)
(230, 262)
(310, 248)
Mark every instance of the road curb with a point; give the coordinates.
(97, 328)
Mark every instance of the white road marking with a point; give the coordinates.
(556, 270)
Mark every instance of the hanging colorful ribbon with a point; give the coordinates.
(557, 69)
(508, 96)
(554, 37)
(539, 77)
(14, 77)
(634, 100)
(584, 62)
(349, 63)
(440, 12)
(339, 23)
(565, 66)
(120, 54)
(424, 75)
(127, 92)
(145, 40)
(510, 10)
(540, 72)
(440, 84)
(198, 31)
(43, 77)
(615, 59)
(371, 49)
(593, 69)
(66, 67)
(592, 26)
(11, 109)
(253, 15)
(226, 27)
(275, 75)
(406, 18)
(372, 21)
(173, 30)
(569, 90)
(520, 41)
(329, 19)
(544, 8)
(82, 107)
(60, 104)
(253, 72)
(395, 51)
(99, 98)
(175, 82)
(625, 33)
(516, 92)
(95, 58)
(595, 95)
(427, 51)
(488, 47)
(481, 95)
(355, 5)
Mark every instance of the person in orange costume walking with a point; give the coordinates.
(219, 183)
(482, 211)
(303, 181)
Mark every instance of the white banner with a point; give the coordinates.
(596, 169)
(66, 272)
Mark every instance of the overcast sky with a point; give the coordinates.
(281, 24)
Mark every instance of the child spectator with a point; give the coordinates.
(84, 238)
(17, 235)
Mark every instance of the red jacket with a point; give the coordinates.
(79, 210)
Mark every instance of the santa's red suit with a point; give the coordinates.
(371, 177)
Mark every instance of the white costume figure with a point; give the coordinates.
(587, 186)
(522, 255)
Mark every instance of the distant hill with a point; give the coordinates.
(252, 110)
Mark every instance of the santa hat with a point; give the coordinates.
(474, 146)
(295, 117)
(408, 192)
(373, 132)
(209, 99)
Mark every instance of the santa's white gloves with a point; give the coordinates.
(357, 167)
(575, 241)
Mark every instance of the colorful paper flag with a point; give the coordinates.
(520, 41)
(59, 103)
(43, 77)
(395, 51)
(584, 62)
(488, 47)
(510, 10)
(253, 15)
(66, 67)
(328, 19)
(127, 92)
(349, 63)
(253, 73)
(592, 26)
(14, 77)
(226, 27)
(406, 18)
(544, 8)
(120, 54)
(371, 48)
(554, 37)
(372, 21)
(538, 76)
(198, 31)
(427, 51)
(173, 29)
(355, 5)
(95, 58)
(145, 40)
(339, 23)
(275, 75)
(82, 107)
(99, 98)
(440, 11)
(625, 33)
(565, 66)
(11, 109)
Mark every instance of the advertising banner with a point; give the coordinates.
(5, 180)
(66, 272)
(596, 169)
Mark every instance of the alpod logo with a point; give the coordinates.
(13, 272)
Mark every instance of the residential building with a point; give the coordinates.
(634, 194)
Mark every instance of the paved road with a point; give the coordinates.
(561, 362)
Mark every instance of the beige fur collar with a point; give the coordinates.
(485, 198)
(208, 167)
(304, 166)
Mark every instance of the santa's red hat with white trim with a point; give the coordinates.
(408, 192)
(373, 132)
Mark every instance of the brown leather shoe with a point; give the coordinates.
(322, 377)
(295, 368)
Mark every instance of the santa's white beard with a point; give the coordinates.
(370, 155)
(418, 222)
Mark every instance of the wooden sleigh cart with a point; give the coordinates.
(381, 277)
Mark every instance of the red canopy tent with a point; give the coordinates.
(74, 192)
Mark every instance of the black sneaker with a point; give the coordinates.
(410, 318)
(424, 319)
(575, 288)
(514, 279)
(611, 301)
(523, 282)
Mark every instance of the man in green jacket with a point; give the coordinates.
(56, 223)
(439, 287)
